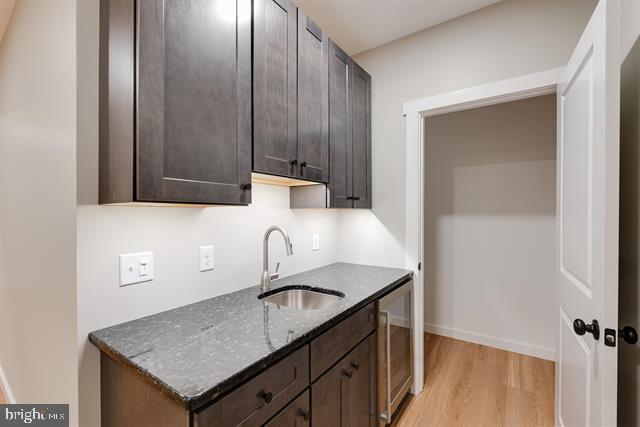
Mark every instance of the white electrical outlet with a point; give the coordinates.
(316, 242)
(136, 268)
(206, 258)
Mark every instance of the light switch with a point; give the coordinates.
(206, 258)
(136, 268)
(316, 242)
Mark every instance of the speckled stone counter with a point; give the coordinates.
(196, 353)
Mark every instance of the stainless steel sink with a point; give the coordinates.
(301, 298)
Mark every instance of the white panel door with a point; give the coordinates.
(587, 215)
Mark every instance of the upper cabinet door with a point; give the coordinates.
(360, 97)
(340, 185)
(313, 101)
(275, 145)
(194, 101)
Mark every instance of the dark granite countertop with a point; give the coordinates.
(196, 353)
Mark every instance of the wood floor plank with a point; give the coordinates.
(472, 385)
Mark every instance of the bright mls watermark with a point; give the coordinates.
(34, 415)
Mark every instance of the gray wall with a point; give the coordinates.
(38, 203)
(490, 225)
(508, 39)
(629, 296)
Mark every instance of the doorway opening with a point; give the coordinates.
(489, 215)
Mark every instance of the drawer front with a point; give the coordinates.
(297, 414)
(253, 403)
(329, 347)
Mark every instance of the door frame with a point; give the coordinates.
(415, 112)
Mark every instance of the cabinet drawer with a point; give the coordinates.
(297, 414)
(253, 403)
(329, 347)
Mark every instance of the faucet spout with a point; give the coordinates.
(265, 279)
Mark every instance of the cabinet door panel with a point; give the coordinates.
(361, 387)
(194, 101)
(313, 100)
(340, 185)
(346, 394)
(296, 414)
(360, 96)
(275, 87)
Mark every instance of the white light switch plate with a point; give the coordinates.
(136, 268)
(206, 258)
(316, 242)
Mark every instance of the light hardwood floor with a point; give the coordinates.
(472, 385)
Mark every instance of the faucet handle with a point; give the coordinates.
(275, 275)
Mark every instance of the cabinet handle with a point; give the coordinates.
(303, 164)
(356, 198)
(347, 374)
(246, 187)
(306, 415)
(355, 365)
(349, 198)
(267, 396)
(294, 162)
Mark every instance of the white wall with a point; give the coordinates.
(490, 225)
(508, 39)
(38, 203)
(173, 234)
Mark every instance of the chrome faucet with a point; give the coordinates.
(265, 280)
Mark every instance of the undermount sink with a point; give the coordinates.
(301, 297)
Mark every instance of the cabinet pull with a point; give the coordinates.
(356, 198)
(246, 187)
(267, 396)
(355, 365)
(293, 162)
(306, 415)
(349, 197)
(303, 164)
(347, 374)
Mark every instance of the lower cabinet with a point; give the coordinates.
(341, 391)
(296, 414)
(346, 394)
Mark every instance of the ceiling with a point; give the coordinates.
(359, 25)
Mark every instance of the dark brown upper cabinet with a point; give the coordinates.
(275, 139)
(290, 93)
(313, 101)
(349, 132)
(175, 101)
(360, 98)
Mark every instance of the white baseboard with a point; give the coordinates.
(503, 344)
(4, 383)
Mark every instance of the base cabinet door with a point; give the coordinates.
(346, 394)
(296, 414)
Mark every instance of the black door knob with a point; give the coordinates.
(306, 415)
(629, 335)
(266, 396)
(580, 328)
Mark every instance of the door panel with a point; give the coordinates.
(275, 87)
(361, 118)
(194, 100)
(341, 184)
(313, 100)
(587, 222)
